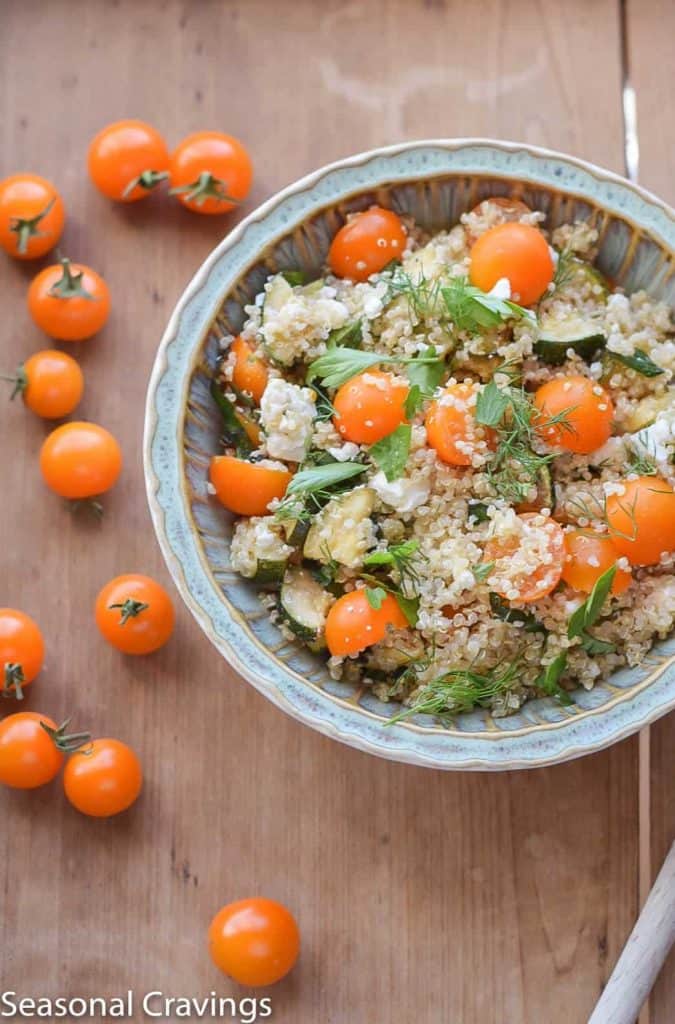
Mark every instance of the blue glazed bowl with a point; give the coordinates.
(434, 181)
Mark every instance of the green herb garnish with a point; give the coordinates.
(503, 611)
(478, 510)
(401, 557)
(294, 277)
(548, 681)
(375, 596)
(234, 434)
(461, 690)
(391, 453)
(482, 571)
(471, 309)
(639, 361)
(587, 614)
(340, 364)
(349, 336)
(314, 486)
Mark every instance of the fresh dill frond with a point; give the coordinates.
(642, 459)
(403, 558)
(566, 268)
(422, 294)
(461, 690)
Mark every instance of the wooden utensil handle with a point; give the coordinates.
(643, 955)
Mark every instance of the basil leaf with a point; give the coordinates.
(549, 680)
(349, 336)
(318, 478)
(588, 612)
(491, 404)
(391, 453)
(375, 596)
(639, 361)
(410, 607)
(503, 611)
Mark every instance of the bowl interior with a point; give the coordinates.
(629, 255)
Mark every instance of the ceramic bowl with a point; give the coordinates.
(434, 181)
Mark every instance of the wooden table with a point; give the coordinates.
(422, 896)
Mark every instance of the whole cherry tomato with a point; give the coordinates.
(135, 614)
(32, 748)
(517, 252)
(127, 160)
(50, 382)
(104, 779)
(31, 216)
(80, 460)
(22, 651)
(69, 301)
(366, 243)
(210, 172)
(254, 941)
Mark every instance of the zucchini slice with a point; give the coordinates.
(545, 496)
(270, 572)
(646, 411)
(556, 337)
(235, 432)
(304, 605)
(342, 529)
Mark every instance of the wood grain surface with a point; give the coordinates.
(421, 896)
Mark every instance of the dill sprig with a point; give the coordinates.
(461, 690)
(566, 268)
(403, 558)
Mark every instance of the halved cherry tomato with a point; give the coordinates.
(104, 779)
(210, 172)
(540, 543)
(589, 555)
(256, 941)
(127, 159)
(249, 374)
(642, 519)
(69, 301)
(50, 382)
(135, 614)
(80, 460)
(353, 624)
(31, 216)
(370, 406)
(585, 409)
(452, 430)
(22, 651)
(29, 757)
(247, 488)
(366, 243)
(517, 252)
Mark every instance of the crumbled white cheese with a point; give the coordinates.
(255, 540)
(344, 452)
(404, 494)
(287, 413)
(501, 289)
(657, 441)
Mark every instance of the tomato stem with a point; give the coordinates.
(26, 228)
(129, 609)
(206, 186)
(147, 180)
(69, 285)
(95, 508)
(14, 677)
(66, 742)
(19, 380)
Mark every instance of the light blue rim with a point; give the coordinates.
(163, 452)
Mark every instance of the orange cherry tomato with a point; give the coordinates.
(80, 460)
(256, 941)
(353, 624)
(210, 172)
(544, 541)
(452, 430)
(50, 382)
(247, 488)
(29, 757)
(517, 252)
(249, 374)
(127, 159)
(642, 519)
(366, 243)
(69, 301)
(22, 650)
(589, 555)
(370, 406)
(104, 779)
(31, 216)
(587, 412)
(135, 614)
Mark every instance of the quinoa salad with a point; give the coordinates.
(451, 460)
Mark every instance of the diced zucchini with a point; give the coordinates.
(545, 496)
(556, 337)
(269, 571)
(296, 531)
(294, 277)
(237, 429)
(647, 409)
(341, 530)
(304, 605)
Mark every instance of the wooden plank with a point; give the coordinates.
(421, 895)
(651, 28)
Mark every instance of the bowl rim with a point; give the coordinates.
(176, 566)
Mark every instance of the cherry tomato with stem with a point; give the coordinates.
(22, 651)
(353, 623)
(517, 252)
(50, 382)
(210, 172)
(574, 413)
(135, 614)
(32, 216)
(103, 779)
(254, 941)
(32, 749)
(127, 160)
(366, 243)
(80, 460)
(641, 519)
(69, 301)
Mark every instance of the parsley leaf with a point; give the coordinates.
(549, 680)
(491, 404)
(588, 613)
(639, 361)
(375, 596)
(471, 309)
(340, 364)
(391, 453)
(426, 371)
(414, 401)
